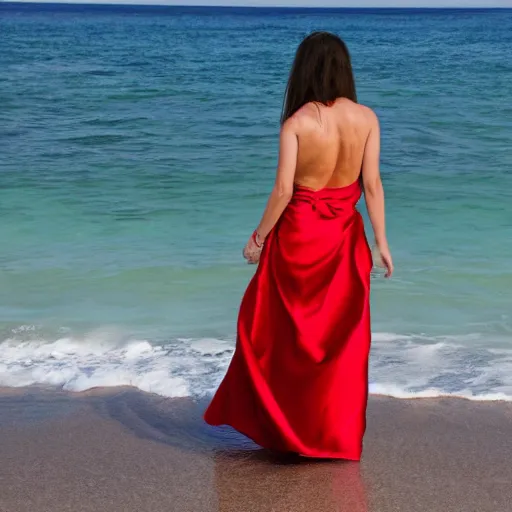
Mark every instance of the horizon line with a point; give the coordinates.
(138, 3)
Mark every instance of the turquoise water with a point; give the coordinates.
(138, 146)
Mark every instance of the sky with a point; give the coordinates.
(311, 3)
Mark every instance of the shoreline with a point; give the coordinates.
(43, 390)
(120, 449)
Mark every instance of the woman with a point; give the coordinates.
(298, 381)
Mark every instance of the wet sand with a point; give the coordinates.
(123, 450)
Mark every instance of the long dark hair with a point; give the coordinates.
(321, 72)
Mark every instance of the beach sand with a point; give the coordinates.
(123, 450)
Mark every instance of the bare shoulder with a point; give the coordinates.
(306, 117)
(369, 115)
(290, 126)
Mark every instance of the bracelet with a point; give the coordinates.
(255, 236)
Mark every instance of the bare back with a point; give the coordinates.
(331, 143)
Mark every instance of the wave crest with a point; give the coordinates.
(401, 366)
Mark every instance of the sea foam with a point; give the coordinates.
(401, 366)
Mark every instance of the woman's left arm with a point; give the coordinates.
(281, 193)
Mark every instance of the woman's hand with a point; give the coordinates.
(253, 248)
(386, 259)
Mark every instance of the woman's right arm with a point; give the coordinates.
(374, 192)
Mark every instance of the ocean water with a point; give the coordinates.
(138, 146)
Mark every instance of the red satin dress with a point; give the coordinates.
(298, 380)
